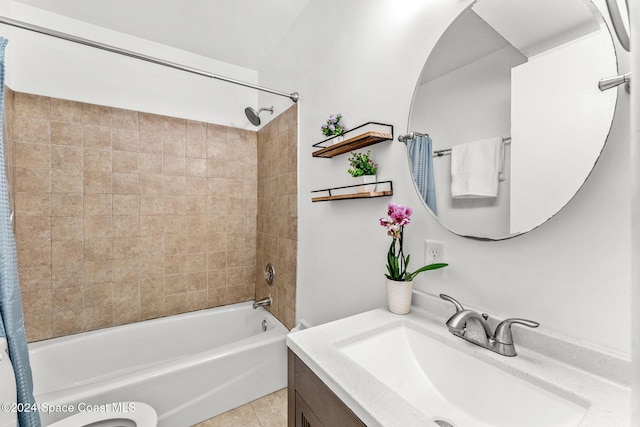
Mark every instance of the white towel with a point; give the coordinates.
(474, 168)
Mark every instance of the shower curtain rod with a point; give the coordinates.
(64, 36)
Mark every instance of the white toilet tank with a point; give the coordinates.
(8, 415)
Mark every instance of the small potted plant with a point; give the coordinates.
(364, 170)
(399, 279)
(334, 127)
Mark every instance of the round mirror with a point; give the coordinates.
(510, 113)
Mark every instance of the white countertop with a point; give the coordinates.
(589, 377)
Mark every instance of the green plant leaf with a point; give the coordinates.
(410, 276)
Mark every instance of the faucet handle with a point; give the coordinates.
(458, 306)
(503, 330)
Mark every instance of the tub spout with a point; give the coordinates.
(263, 302)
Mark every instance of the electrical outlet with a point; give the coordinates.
(433, 251)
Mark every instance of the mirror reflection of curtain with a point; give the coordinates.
(421, 163)
(11, 316)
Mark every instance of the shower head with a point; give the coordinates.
(254, 116)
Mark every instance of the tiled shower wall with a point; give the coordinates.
(123, 215)
(277, 213)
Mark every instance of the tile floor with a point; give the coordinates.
(268, 411)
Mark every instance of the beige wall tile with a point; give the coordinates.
(150, 163)
(96, 115)
(121, 215)
(126, 204)
(97, 159)
(196, 148)
(31, 106)
(98, 316)
(126, 183)
(174, 146)
(175, 304)
(67, 322)
(66, 204)
(66, 157)
(125, 140)
(174, 165)
(124, 119)
(99, 249)
(33, 228)
(151, 184)
(151, 225)
(150, 143)
(96, 136)
(35, 278)
(66, 134)
(96, 227)
(196, 205)
(67, 275)
(126, 247)
(150, 123)
(98, 204)
(66, 181)
(63, 110)
(34, 156)
(66, 251)
(197, 282)
(196, 130)
(34, 253)
(33, 180)
(175, 185)
(66, 228)
(67, 299)
(174, 127)
(126, 225)
(97, 182)
(196, 167)
(35, 131)
(36, 204)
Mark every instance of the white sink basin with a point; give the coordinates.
(455, 389)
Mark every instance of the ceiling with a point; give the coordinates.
(240, 32)
(530, 26)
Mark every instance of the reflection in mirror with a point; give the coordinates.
(510, 91)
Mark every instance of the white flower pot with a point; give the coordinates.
(399, 296)
(368, 183)
(337, 139)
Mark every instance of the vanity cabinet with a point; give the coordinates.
(312, 403)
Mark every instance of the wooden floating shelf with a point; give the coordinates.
(363, 136)
(343, 193)
(353, 196)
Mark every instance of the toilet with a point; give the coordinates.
(121, 414)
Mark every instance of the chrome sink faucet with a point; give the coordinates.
(474, 327)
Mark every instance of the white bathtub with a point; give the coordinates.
(189, 367)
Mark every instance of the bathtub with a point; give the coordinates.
(189, 367)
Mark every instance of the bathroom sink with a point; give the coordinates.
(454, 388)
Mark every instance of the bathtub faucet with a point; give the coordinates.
(263, 302)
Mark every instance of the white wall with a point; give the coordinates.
(53, 67)
(572, 274)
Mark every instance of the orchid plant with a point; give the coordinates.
(397, 263)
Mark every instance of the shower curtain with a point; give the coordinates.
(421, 164)
(11, 317)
